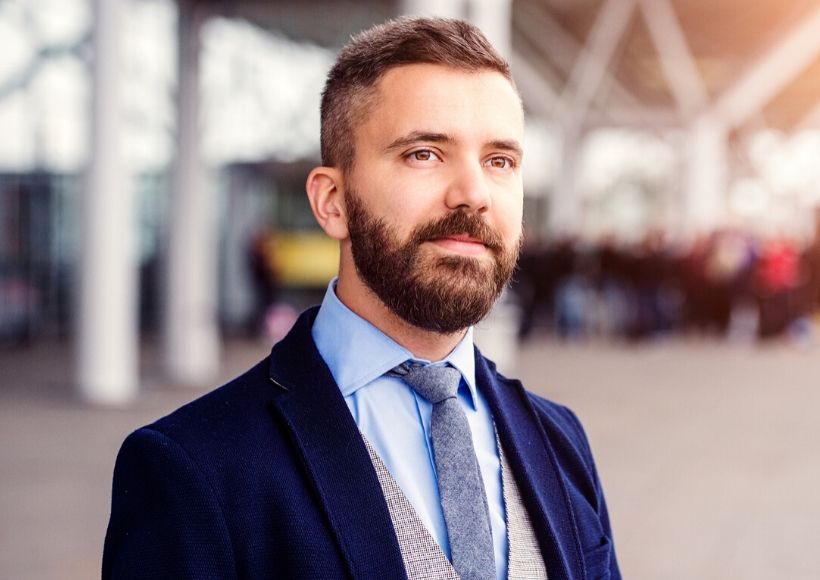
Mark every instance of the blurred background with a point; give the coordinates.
(155, 240)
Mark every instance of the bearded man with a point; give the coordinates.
(375, 441)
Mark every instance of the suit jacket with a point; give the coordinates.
(268, 477)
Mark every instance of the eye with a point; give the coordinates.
(423, 155)
(500, 162)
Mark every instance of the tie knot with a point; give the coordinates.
(434, 383)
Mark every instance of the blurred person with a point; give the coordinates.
(692, 282)
(535, 284)
(777, 277)
(611, 282)
(727, 268)
(738, 259)
(265, 276)
(526, 286)
(571, 290)
(706, 273)
(650, 269)
(375, 441)
(810, 266)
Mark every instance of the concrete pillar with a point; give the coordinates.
(706, 175)
(564, 217)
(494, 18)
(439, 8)
(107, 324)
(190, 324)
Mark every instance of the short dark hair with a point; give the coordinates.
(370, 54)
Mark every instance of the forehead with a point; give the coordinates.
(470, 105)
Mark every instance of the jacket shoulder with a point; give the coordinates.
(560, 415)
(234, 405)
(552, 416)
(561, 422)
(228, 430)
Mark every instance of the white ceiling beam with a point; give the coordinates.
(561, 47)
(589, 71)
(677, 62)
(772, 73)
(636, 118)
(538, 95)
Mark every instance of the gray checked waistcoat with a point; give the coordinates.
(422, 556)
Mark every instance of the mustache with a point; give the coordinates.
(459, 223)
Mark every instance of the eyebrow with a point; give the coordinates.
(419, 136)
(509, 145)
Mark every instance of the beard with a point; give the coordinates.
(439, 293)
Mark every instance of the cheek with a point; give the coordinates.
(510, 215)
(411, 206)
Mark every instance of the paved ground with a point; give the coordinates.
(708, 451)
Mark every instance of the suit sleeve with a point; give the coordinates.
(166, 521)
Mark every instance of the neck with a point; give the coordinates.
(424, 344)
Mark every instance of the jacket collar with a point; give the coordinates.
(339, 467)
(312, 407)
(536, 471)
(356, 352)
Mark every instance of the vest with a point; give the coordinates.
(422, 556)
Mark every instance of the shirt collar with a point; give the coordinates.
(356, 352)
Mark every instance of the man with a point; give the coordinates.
(347, 452)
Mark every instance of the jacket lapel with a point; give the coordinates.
(309, 402)
(536, 471)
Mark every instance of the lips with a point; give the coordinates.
(461, 244)
(465, 230)
(464, 238)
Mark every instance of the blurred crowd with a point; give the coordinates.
(728, 283)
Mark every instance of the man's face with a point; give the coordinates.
(435, 195)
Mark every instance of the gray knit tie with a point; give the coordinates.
(459, 479)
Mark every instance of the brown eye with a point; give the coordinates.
(500, 162)
(424, 155)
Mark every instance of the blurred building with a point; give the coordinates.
(155, 139)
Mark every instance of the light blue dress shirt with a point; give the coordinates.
(396, 420)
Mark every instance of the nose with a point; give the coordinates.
(468, 189)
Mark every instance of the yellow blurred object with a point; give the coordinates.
(304, 259)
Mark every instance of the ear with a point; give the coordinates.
(324, 190)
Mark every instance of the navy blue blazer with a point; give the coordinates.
(268, 477)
